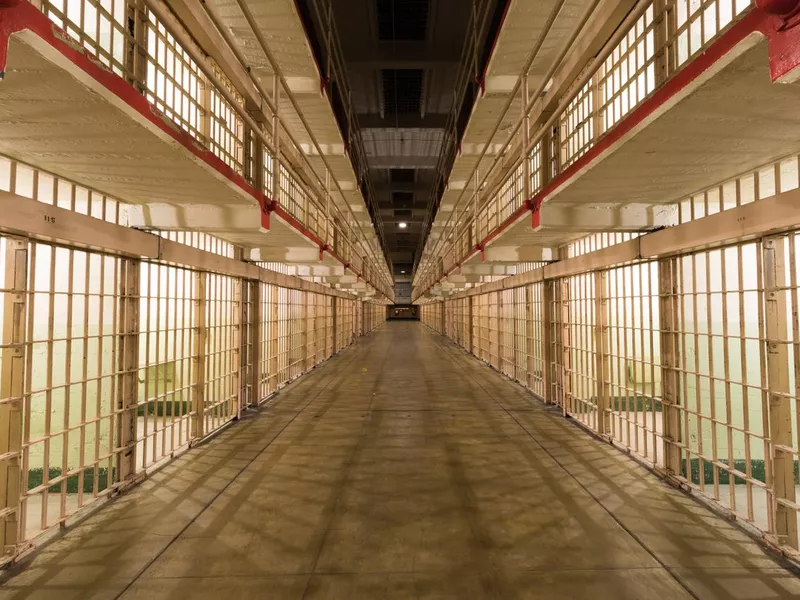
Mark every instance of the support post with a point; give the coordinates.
(668, 287)
(304, 320)
(565, 366)
(602, 367)
(12, 388)
(128, 365)
(273, 342)
(136, 50)
(498, 346)
(199, 356)
(515, 334)
(276, 139)
(527, 193)
(548, 150)
(335, 324)
(256, 318)
(548, 326)
(598, 124)
(663, 27)
(779, 393)
(255, 160)
(239, 358)
(471, 328)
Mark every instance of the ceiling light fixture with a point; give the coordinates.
(402, 272)
(402, 224)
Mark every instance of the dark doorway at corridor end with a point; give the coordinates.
(402, 312)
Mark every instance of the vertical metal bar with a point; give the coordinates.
(780, 411)
(256, 317)
(238, 358)
(136, 51)
(602, 346)
(549, 145)
(199, 355)
(276, 138)
(529, 336)
(566, 345)
(335, 324)
(670, 327)
(596, 118)
(471, 325)
(12, 387)
(548, 358)
(526, 134)
(275, 335)
(128, 367)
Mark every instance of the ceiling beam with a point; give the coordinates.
(590, 219)
(387, 54)
(402, 186)
(403, 162)
(406, 121)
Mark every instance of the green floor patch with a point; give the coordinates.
(757, 471)
(35, 479)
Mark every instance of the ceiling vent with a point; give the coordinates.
(401, 175)
(402, 199)
(402, 20)
(402, 91)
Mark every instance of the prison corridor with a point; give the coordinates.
(402, 468)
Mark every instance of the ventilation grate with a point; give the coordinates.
(402, 91)
(402, 199)
(401, 175)
(405, 20)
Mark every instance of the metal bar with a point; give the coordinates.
(256, 318)
(780, 409)
(775, 214)
(275, 330)
(199, 355)
(238, 359)
(12, 388)
(128, 369)
(670, 328)
(548, 356)
(602, 346)
(51, 224)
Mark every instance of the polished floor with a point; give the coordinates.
(403, 468)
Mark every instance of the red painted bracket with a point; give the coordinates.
(18, 16)
(267, 208)
(782, 18)
(481, 82)
(536, 215)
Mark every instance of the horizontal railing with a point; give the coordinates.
(661, 37)
(679, 345)
(113, 362)
(161, 60)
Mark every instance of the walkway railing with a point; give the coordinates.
(680, 346)
(661, 37)
(160, 59)
(113, 362)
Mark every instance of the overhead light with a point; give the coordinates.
(402, 272)
(402, 224)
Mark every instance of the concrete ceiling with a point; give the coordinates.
(402, 58)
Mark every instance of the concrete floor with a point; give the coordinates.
(403, 468)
